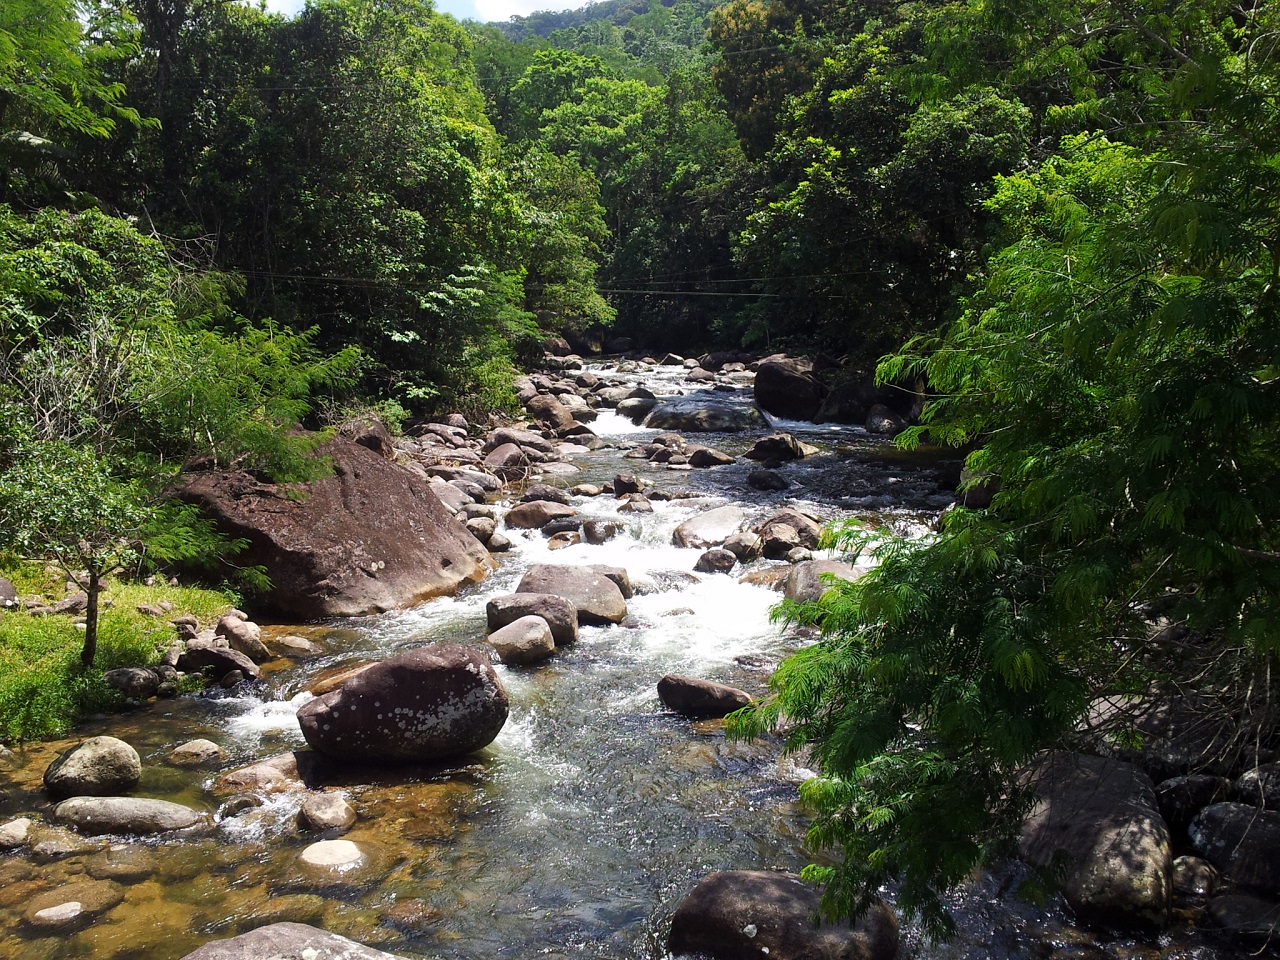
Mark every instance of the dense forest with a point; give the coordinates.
(216, 223)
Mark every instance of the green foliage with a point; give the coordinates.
(1114, 369)
(54, 56)
(43, 690)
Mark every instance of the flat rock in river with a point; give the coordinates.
(703, 415)
(94, 815)
(709, 529)
(593, 594)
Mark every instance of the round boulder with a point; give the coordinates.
(527, 640)
(195, 753)
(716, 560)
(326, 811)
(423, 705)
(749, 914)
(97, 767)
(805, 582)
(137, 683)
(710, 528)
(536, 514)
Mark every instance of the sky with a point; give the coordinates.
(486, 11)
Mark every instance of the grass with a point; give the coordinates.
(42, 689)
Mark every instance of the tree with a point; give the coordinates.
(61, 503)
(54, 84)
(1116, 372)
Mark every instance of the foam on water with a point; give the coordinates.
(259, 720)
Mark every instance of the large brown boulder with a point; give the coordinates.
(786, 387)
(423, 705)
(749, 914)
(1102, 815)
(368, 538)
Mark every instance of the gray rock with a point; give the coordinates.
(596, 598)
(636, 409)
(709, 529)
(524, 641)
(807, 529)
(97, 767)
(779, 447)
(703, 415)
(786, 387)
(137, 683)
(745, 545)
(1260, 786)
(560, 615)
(1241, 841)
(287, 941)
(882, 421)
(544, 491)
(805, 582)
(619, 576)
(196, 753)
(325, 812)
(8, 594)
(695, 698)
(132, 815)
(635, 503)
(1102, 815)
(1251, 919)
(1194, 878)
(72, 905)
(201, 656)
(15, 833)
(750, 914)
(1181, 798)
(703, 457)
(767, 480)
(245, 636)
(295, 646)
(482, 528)
(599, 531)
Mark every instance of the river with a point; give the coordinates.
(579, 830)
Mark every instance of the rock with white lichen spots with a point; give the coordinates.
(424, 705)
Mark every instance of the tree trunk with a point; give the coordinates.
(92, 590)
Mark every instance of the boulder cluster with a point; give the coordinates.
(1139, 851)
